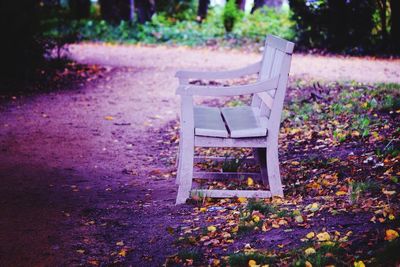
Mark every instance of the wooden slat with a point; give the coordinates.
(203, 141)
(280, 44)
(201, 90)
(242, 122)
(267, 62)
(267, 99)
(208, 122)
(277, 64)
(201, 159)
(229, 74)
(231, 193)
(226, 175)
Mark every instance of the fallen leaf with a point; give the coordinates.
(309, 251)
(242, 199)
(310, 235)
(250, 181)
(391, 235)
(324, 236)
(109, 118)
(252, 263)
(212, 228)
(123, 252)
(359, 264)
(341, 193)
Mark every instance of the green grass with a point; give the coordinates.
(242, 259)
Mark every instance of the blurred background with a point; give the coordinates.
(36, 31)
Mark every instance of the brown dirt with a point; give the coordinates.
(86, 168)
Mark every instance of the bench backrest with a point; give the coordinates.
(276, 61)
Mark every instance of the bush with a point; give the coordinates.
(266, 21)
(20, 47)
(337, 25)
(231, 15)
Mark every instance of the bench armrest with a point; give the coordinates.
(229, 74)
(204, 90)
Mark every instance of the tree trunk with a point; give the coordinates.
(241, 4)
(395, 24)
(80, 9)
(202, 10)
(270, 3)
(382, 7)
(273, 3)
(145, 10)
(115, 10)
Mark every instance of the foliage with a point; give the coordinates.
(21, 48)
(266, 21)
(177, 9)
(231, 15)
(163, 29)
(335, 25)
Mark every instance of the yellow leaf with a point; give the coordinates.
(313, 207)
(252, 263)
(309, 251)
(203, 209)
(359, 264)
(256, 218)
(310, 235)
(122, 252)
(324, 236)
(295, 163)
(250, 182)
(308, 264)
(299, 219)
(212, 228)
(242, 199)
(391, 217)
(391, 235)
(341, 193)
(109, 118)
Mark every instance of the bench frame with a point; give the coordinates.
(268, 95)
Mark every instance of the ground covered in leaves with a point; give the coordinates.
(88, 172)
(340, 152)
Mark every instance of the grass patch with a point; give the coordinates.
(242, 259)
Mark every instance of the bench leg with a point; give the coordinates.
(274, 176)
(178, 163)
(185, 169)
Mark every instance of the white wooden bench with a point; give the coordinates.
(255, 126)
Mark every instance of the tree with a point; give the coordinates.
(115, 10)
(20, 50)
(395, 24)
(80, 9)
(145, 10)
(241, 4)
(202, 10)
(260, 3)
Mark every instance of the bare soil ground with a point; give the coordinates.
(87, 173)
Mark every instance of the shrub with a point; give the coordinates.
(231, 15)
(266, 21)
(334, 24)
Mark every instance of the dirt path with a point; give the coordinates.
(83, 170)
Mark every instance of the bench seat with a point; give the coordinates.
(233, 122)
